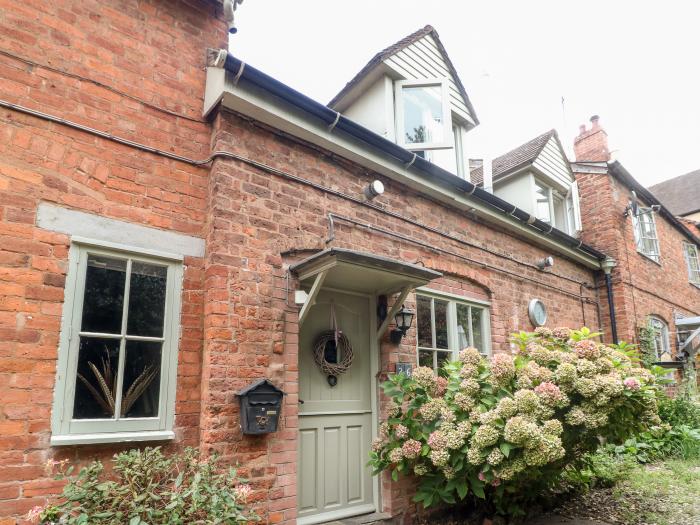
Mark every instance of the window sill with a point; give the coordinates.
(112, 437)
(649, 258)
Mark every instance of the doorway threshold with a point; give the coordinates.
(383, 518)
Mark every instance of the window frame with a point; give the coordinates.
(639, 238)
(568, 199)
(687, 246)
(69, 431)
(448, 134)
(663, 332)
(452, 333)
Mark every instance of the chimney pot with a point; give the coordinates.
(594, 121)
(582, 129)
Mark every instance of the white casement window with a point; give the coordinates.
(561, 210)
(118, 352)
(423, 117)
(445, 325)
(661, 342)
(690, 251)
(645, 233)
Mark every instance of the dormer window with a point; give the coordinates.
(423, 119)
(557, 208)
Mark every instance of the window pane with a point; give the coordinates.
(141, 388)
(441, 324)
(477, 314)
(425, 358)
(104, 294)
(542, 203)
(462, 326)
(423, 119)
(442, 358)
(423, 322)
(98, 360)
(571, 213)
(147, 299)
(560, 214)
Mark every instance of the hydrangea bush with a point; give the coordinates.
(503, 430)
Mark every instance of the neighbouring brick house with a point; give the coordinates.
(656, 280)
(142, 242)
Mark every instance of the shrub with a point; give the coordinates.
(679, 411)
(503, 431)
(602, 468)
(148, 487)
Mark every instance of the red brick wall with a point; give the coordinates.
(256, 216)
(641, 286)
(139, 56)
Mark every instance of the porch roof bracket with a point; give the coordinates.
(395, 308)
(693, 335)
(311, 299)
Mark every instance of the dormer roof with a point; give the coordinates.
(528, 154)
(397, 60)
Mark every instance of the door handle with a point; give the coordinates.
(301, 401)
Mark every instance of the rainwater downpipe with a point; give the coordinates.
(607, 265)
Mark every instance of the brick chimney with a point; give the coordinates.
(592, 144)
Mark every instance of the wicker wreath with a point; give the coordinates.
(345, 348)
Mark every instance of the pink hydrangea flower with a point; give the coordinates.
(496, 482)
(632, 383)
(401, 431)
(440, 386)
(587, 349)
(437, 440)
(549, 393)
(482, 477)
(411, 449)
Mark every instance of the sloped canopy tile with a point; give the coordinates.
(361, 272)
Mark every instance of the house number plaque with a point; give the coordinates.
(404, 368)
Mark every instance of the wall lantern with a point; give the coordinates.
(403, 318)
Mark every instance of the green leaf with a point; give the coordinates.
(505, 448)
(135, 520)
(478, 490)
(462, 488)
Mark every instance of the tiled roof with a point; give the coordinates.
(395, 48)
(681, 195)
(521, 156)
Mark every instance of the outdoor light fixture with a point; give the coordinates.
(374, 189)
(547, 262)
(403, 319)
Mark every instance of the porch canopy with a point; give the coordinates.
(359, 272)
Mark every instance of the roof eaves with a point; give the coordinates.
(621, 173)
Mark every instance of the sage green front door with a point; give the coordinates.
(335, 422)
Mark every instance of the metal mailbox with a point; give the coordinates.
(261, 403)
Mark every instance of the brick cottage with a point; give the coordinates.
(180, 222)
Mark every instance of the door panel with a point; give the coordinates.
(335, 423)
(332, 469)
(352, 391)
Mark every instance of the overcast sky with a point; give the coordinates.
(636, 64)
